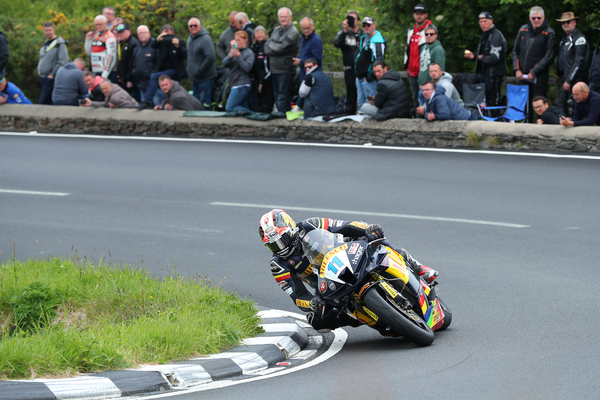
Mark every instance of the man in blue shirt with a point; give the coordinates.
(11, 94)
(311, 45)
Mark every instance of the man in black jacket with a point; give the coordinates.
(391, 99)
(547, 114)
(3, 53)
(172, 53)
(144, 60)
(490, 59)
(127, 46)
(572, 59)
(533, 53)
(347, 40)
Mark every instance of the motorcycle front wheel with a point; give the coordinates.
(405, 322)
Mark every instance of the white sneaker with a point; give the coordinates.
(296, 109)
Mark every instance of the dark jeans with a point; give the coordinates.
(47, 88)
(153, 83)
(282, 85)
(564, 99)
(492, 92)
(203, 92)
(351, 96)
(414, 85)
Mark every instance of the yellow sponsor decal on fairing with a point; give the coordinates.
(329, 256)
(371, 313)
(389, 289)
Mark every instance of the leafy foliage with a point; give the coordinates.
(34, 307)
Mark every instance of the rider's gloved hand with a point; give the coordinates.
(316, 305)
(374, 232)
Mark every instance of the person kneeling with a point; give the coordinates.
(176, 97)
(391, 99)
(442, 108)
(317, 91)
(114, 97)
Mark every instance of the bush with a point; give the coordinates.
(34, 307)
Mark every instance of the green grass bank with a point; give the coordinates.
(60, 317)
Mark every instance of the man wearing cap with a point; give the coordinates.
(587, 107)
(572, 59)
(371, 48)
(53, 55)
(490, 59)
(11, 94)
(415, 40)
(101, 46)
(127, 45)
(431, 53)
(533, 53)
(346, 40)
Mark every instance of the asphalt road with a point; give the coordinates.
(515, 239)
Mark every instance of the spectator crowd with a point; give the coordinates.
(264, 74)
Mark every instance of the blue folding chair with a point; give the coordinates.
(517, 108)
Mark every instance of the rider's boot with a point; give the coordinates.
(427, 274)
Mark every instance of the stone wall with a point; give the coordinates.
(402, 132)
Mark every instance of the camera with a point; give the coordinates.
(234, 46)
(350, 19)
(81, 101)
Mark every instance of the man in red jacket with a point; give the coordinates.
(415, 39)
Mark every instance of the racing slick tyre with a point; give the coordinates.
(447, 315)
(405, 322)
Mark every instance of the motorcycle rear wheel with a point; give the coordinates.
(406, 322)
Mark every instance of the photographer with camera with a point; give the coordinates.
(347, 40)
(172, 54)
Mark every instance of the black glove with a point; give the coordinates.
(374, 232)
(316, 305)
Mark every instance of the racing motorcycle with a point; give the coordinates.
(371, 282)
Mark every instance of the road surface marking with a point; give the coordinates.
(34, 193)
(373, 214)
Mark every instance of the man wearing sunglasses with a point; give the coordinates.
(533, 53)
(572, 58)
(432, 53)
(490, 58)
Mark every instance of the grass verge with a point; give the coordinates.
(60, 317)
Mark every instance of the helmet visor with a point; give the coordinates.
(281, 244)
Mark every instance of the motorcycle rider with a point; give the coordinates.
(291, 268)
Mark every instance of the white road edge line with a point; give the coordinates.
(336, 346)
(374, 214)
(283, 143)
(34, 193)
